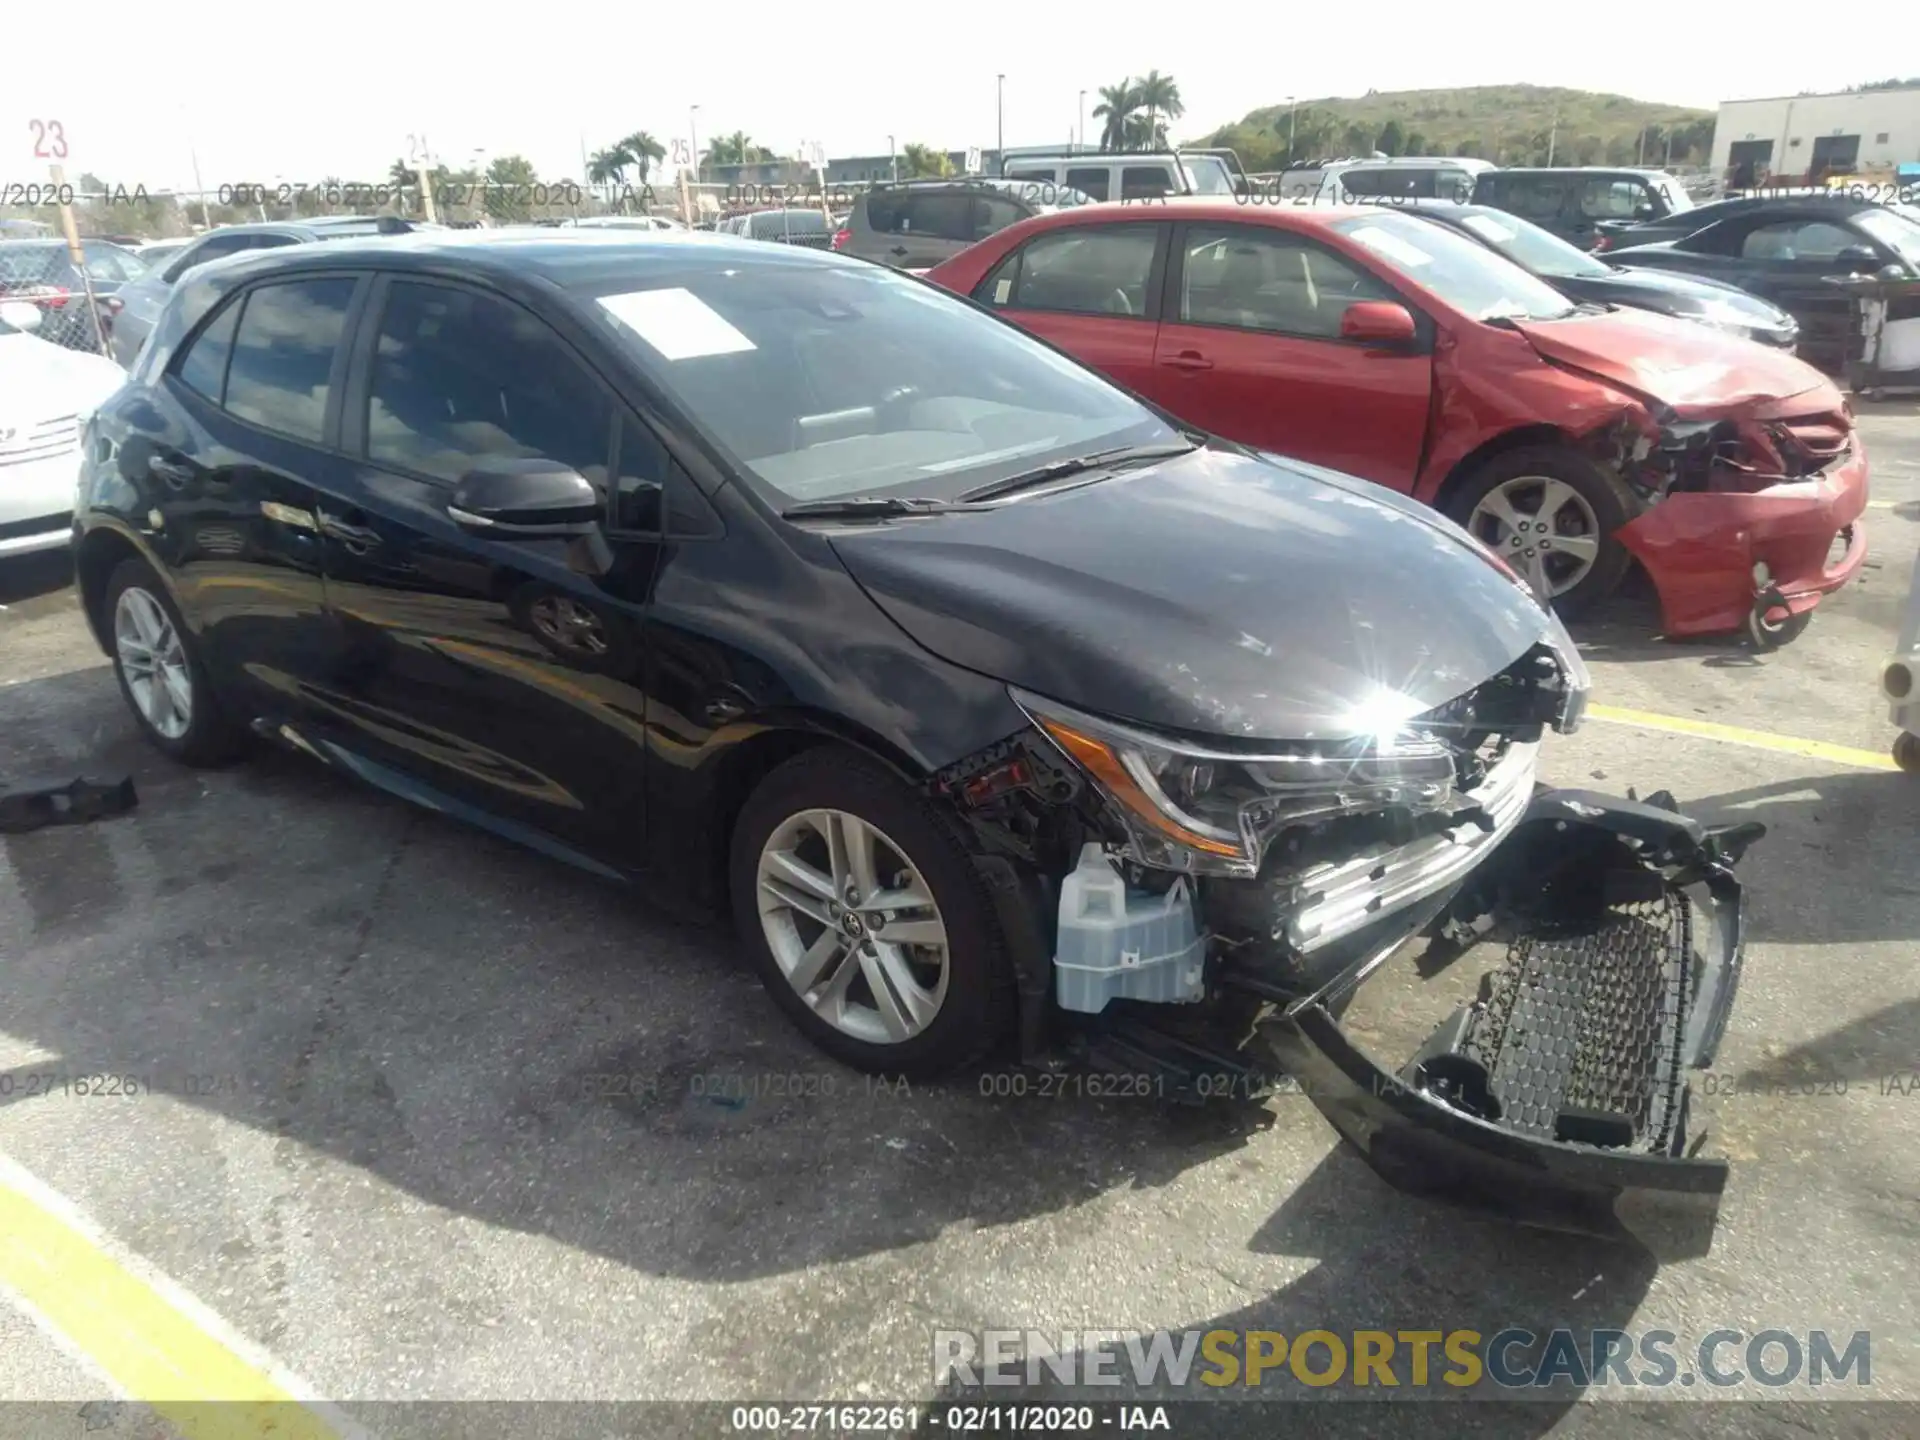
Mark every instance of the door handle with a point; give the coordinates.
(175, 473)
(357, 538)
(898, 250)
(1188, 360)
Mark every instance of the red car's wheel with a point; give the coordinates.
(1551, 514)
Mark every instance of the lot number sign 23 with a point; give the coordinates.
(49, 140)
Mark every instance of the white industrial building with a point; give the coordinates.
(1800, 137)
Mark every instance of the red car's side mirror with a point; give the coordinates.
(1379, 322)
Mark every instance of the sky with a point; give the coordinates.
(297, 94)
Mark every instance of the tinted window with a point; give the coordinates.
(1796, 240)
(204, 367)
(1098, 270)
(1144, 182)
(460, 378)
(111, 266)
(1537, 197)
(996, 212)
(652, 494)
(283, 354)
(1613, 199)
(1042, 173)
(218, 246)
(947, 214)
(1417, 182)
(861, 380)
(1095, 181)
(883, 210)
(1260, 280)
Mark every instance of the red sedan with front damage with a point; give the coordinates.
(1569, 438)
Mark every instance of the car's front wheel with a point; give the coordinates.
(866, 919)
(160, 675)
(1551, 514)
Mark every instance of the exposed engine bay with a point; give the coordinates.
(1204, 911)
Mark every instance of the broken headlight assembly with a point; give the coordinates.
(1202, 808)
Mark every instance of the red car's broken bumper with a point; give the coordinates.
(1700, 547)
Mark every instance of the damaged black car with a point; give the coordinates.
(1000, 709)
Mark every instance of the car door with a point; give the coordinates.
(247, 416)
(1092, 290)
(1250, 348)
(500, 679)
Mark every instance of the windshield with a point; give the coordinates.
(1466, 275)
(836, 379)
(1207, 174)
(1896, 232)
(1534, 249)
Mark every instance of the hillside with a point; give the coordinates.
(1509, 124)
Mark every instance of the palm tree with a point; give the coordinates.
(1161, 95)
(734, 149)
(609, 166)
(642, 150)
(1144, 133)
(1116, 107)
(924, 162)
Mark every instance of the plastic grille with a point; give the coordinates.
(1592, 1022)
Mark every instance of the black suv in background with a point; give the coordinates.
(1581, 204)
(918, 223)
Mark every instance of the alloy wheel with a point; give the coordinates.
(853, 926)
(154, 663)
(1543, 528)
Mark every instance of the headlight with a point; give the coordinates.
(1204, 808)
(1575, 683)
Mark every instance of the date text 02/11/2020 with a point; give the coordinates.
(959, 1418)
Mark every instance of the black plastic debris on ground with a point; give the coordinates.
(69, 802)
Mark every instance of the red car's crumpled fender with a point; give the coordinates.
(1700, 547)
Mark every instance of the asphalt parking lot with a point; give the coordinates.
(421, 1116)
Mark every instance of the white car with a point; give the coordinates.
(46, 394)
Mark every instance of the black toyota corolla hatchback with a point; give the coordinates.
(997, 707)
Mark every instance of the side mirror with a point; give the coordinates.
(1860, 258)
(1892, 272)
(525, 499)
(20, 315)
(1378, 322)
(1646, 210)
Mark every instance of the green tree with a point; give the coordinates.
(1145, 133)
(1416, 143)
(1160, 94)
(641, 150)
(923, 162)
(609, 166)
(1392, 140)
(1117, 106)
(1358, 138)
(509, 179)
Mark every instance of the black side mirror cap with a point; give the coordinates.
(525, 498)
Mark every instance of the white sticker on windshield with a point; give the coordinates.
(1001, 290)
(677, 323)
(1488, 227)
(1391, 246)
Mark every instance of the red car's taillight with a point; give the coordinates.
(840, 239)
(1602, 242)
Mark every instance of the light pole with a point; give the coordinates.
(693, 139)
(893, 159)
(1289, 129)
(1000, 123)
(1083, 119)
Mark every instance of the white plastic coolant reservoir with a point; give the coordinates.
(1117, 943)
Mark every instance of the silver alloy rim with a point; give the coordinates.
(154, 663)
(853, 926)
(568, 624)
(1543, 528)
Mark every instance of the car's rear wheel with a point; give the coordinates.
(160, 675)
(867, 921)
(1551, 514)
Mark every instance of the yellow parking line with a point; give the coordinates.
(143, 1340)
(1740, 735)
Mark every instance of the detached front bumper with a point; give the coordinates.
(1700, 547)
(1559, 1098)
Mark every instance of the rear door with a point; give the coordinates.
(1250, 348)
(1092, 290)
(1608, 202)
(501, 679)
(250, 418)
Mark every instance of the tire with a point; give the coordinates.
(1906, 752)
(209, 736)
(974, 997)
(1606, 499)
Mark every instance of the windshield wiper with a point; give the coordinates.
(861, 507)
(1059, 469)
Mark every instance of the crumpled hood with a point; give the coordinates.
(1216, 593)
(1674, 362)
